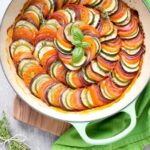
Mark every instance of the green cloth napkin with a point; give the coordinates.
(136, 140)
(147, 3)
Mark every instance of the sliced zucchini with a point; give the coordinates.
(26, 24)
(117, 80)
(72, 13)
(109, 57)
(113, 7)
(103, 68)
(98, 44)
(111, 36)
(105, 92)
(51, 92)
(96, 18)
(91, 17)
(37, 82)
(126, 20)
(25, 64)
(132, 51)
(74, 1)
(53, 68)
(123, 18)
(41, 48)
(64, 98)
(86, 77)
(20, 46)
(133, 35)
(69, 79)
(95, 3)
(67, 32)
(86, 98)
(96, 68)
(71, 67)
(61, 48)
(129, 68)
(36, 10)
(54, 23)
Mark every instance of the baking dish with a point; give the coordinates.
(78, 119)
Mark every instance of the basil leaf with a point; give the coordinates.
(77, 55)
(77, 43)
(85, 44)
(76, 33)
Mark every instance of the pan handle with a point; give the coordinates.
(81, 128)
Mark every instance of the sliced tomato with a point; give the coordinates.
(84, 14)
(135, 42)
(32, 18)
(21, 55)
(105, 63)
(67, 59)
(76, 79)
(60, 37)
(132, 59)
(84, 2)
(43, 89)
(105, 27)
(56, 95)
(45, 34)
(123, 75)
(105, 4)
(60, 17)
(122, 9)
(42, 5)
(113, 89)
(95, 95)
(92, 48)
(129, 29)
(49, 61)
(75, 8)
(24, 33)
(47, 55)
(112, 46)
(30, 73)
(92, 75)
(87, 29)
(61, 73)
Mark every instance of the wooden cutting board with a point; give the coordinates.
(22, 112)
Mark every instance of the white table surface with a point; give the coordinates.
(36, 139)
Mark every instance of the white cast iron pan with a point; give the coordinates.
(78, 119)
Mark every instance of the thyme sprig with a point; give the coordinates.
(12, 142)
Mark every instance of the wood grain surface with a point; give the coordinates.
(25, 114)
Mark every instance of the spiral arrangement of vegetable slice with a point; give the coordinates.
(109, 49)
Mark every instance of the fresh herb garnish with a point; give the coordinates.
(13, 143)
(78, 52)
